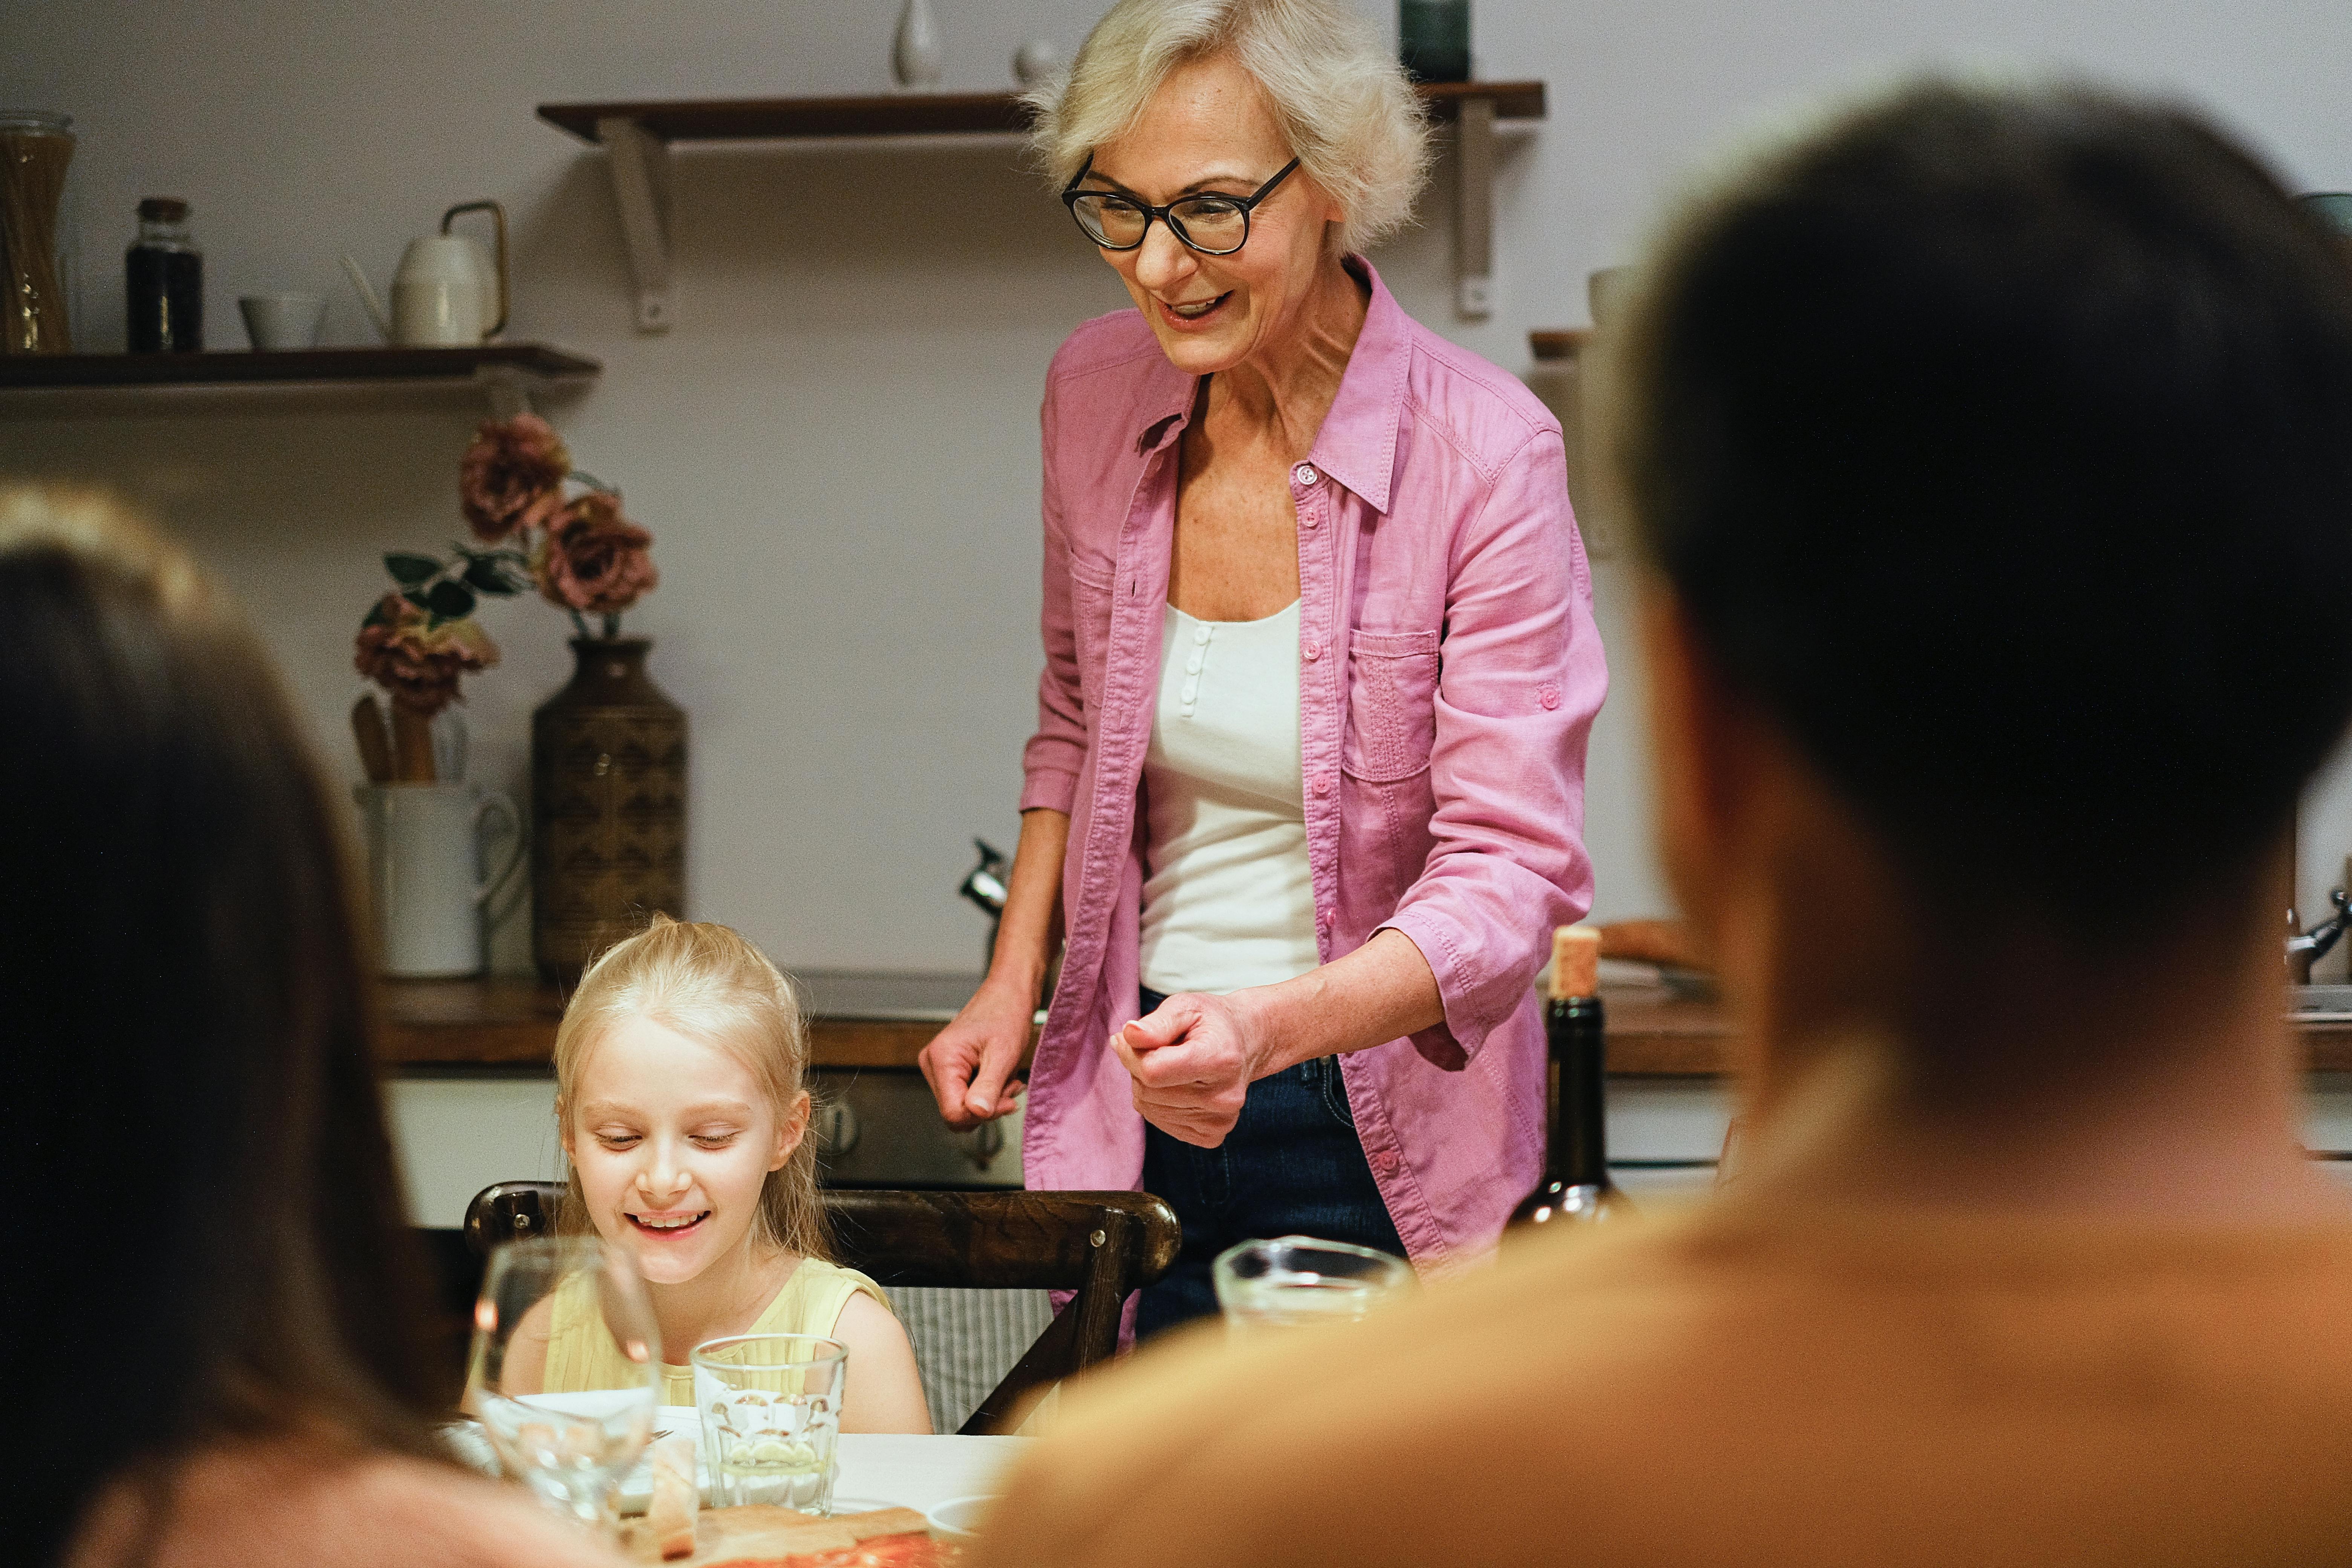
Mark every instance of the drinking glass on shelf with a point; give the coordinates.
(770, 1412)
(1298, 1281)
(570, 1448)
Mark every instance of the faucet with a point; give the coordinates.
(984, 885)
(2304, 948)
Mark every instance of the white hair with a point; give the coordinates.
(1349, 115)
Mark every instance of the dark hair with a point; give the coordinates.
(1999, 445)
(186, 1015)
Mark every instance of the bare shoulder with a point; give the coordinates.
(292, 1500)
(886, 1389)
(1327, 1446)
(866, 1325)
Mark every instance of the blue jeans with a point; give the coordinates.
(1291, 1166)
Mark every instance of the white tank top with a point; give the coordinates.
(1228, 898)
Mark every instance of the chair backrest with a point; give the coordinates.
(1097, 1246)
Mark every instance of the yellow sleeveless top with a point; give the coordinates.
(581, 1356)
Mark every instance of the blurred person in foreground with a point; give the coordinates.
(216, 1310)
(1993, 451)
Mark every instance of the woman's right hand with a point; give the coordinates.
(970, 1064)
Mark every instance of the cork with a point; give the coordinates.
(1575, 961)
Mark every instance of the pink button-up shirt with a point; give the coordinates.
(1449, 673)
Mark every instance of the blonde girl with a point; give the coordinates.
(680, 1070)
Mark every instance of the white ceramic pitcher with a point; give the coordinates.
(446, 293)
(422, 848)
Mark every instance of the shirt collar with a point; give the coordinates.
(1357, 445)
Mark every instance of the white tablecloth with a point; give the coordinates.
(879, 1470)
(920, 1472)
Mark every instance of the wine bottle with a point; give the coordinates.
(1575, 1189)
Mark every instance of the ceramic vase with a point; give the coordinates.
(608, 807)
(1034, 62)
(917, 52)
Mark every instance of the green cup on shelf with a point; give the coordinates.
(1433, 39)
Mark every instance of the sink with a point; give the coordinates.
(2314, 1002)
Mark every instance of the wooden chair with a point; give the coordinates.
(1100, 1245)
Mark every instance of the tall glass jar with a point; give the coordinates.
(163, 281)
(36, 146)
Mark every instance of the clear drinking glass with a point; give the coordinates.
(1297, 1281)
(572, 1448)
(770, 1412)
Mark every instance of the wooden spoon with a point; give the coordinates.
(375, 745)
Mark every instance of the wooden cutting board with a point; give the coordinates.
(730, 1534)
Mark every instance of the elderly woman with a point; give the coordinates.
(1306, 789)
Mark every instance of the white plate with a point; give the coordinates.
(958, 1516)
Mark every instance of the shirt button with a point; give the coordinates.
(1315, 650)
(1192, 665)
(1191, 689)
(1551, 697)
(1322, 783)
(1303, 475)
(1312, 518)
(1385, 1162)
(1200, 636)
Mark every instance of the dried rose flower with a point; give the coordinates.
(512, 476)
(593, 559)
(416, 662)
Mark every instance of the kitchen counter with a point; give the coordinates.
(857, 1019)
(877, 1018)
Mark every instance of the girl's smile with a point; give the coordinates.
(668, 1227)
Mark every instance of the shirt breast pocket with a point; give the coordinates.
(1391, 704)
(1091, 605)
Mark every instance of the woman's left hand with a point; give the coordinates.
(1192, 1061)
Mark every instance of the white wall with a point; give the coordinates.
(835, 447)
(458, 1135)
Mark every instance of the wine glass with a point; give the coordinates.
(575, 1307)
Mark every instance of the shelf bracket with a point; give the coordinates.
(640, 163)
(1474, 210)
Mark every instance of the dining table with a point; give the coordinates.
(891, 1469)
(877, 1470)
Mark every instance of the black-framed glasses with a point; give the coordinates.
(1211, 223)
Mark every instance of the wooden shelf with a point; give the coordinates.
(918, 114)
(637, 135)
(528, 362)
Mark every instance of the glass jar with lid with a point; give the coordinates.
(163, 281)
(35, 148)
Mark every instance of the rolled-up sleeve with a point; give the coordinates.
(1051, 761)
(1522, 677)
